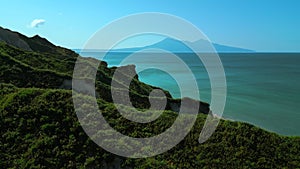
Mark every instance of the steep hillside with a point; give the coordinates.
(43, 70)
(36, 43)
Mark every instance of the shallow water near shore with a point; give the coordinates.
(262, 88)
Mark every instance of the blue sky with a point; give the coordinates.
(260, 25)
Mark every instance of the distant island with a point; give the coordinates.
(176, 46)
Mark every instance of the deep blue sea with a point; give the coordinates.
(262, 88)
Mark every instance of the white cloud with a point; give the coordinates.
(37, 22)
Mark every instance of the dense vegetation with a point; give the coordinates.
(39, 128)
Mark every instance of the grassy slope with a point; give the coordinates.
(40, 128)
(50, 70)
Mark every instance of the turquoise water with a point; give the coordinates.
(262, 88)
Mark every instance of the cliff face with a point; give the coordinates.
(45, 65)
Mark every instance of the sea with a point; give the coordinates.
(263, 89)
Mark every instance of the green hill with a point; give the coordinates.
(40, 129)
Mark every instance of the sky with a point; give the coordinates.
(260, 25)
